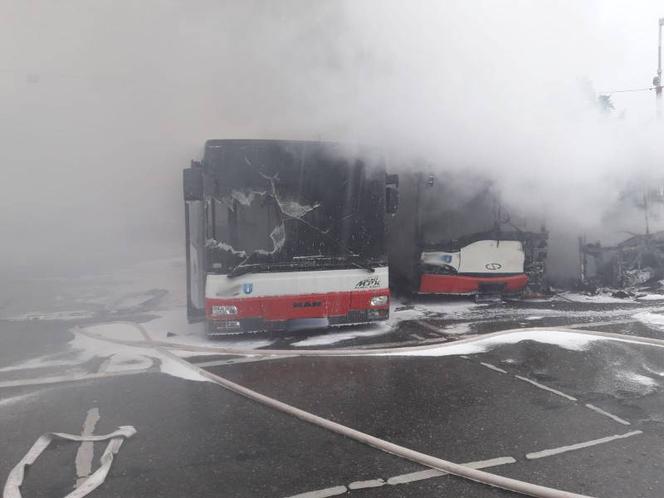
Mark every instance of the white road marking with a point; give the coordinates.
(85, 452)
(14, 481)
(607, 414)
(428, 474)
(482, 464)
(567, 396)
(578, 446)
(70, 378)
(401, 479)
(493, 367)
(323, 493)
(546, 388)
(476, 475)
(372, 483)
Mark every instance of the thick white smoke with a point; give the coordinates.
(104, 104)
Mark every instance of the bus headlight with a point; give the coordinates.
(378, 301)
(224, 310)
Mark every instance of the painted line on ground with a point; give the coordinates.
(578, 446)
(430, 473)
(85, 451)
(546, 388)
(482, 464)
(323, 493)
(555, 391)
(479, 476)
(607, 414)
(12, 488)
(493, 367)
(371, 483)
(420, 475)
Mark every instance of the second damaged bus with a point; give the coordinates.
(450, 238)
(282, 234)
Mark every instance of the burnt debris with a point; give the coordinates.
(635, 262)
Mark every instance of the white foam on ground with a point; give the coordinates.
(457, 329)
(651, 297)
(19, 398)
(131, 357)
(53, 315)
(52, 360)
(566, 340)
(116, 330)
(124, 361)
(597, 299)
(171, 367)
(193, 334)
(175, 321)
(635, 378)
(653, 320)
(335, 337)
(117, 357)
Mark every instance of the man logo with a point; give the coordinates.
(247, 288)
(446, 258)
(493, 266)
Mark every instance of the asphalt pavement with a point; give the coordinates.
(583, 417)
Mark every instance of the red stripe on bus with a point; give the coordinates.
(298, 306)
(461, 284)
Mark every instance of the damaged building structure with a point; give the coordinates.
(630, 263)
(635, 261)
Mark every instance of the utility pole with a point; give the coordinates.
(657, 80)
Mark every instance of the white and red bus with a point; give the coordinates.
(447, 238)
(282, 234)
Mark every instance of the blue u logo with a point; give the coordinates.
(247, 288)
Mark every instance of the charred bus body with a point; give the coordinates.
(638, 259)
(281, 232)
(635, 261)
(449, 238)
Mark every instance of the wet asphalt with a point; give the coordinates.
(198, 439)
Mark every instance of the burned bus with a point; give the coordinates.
(281, 234)
(452, 237)
(634, 262)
